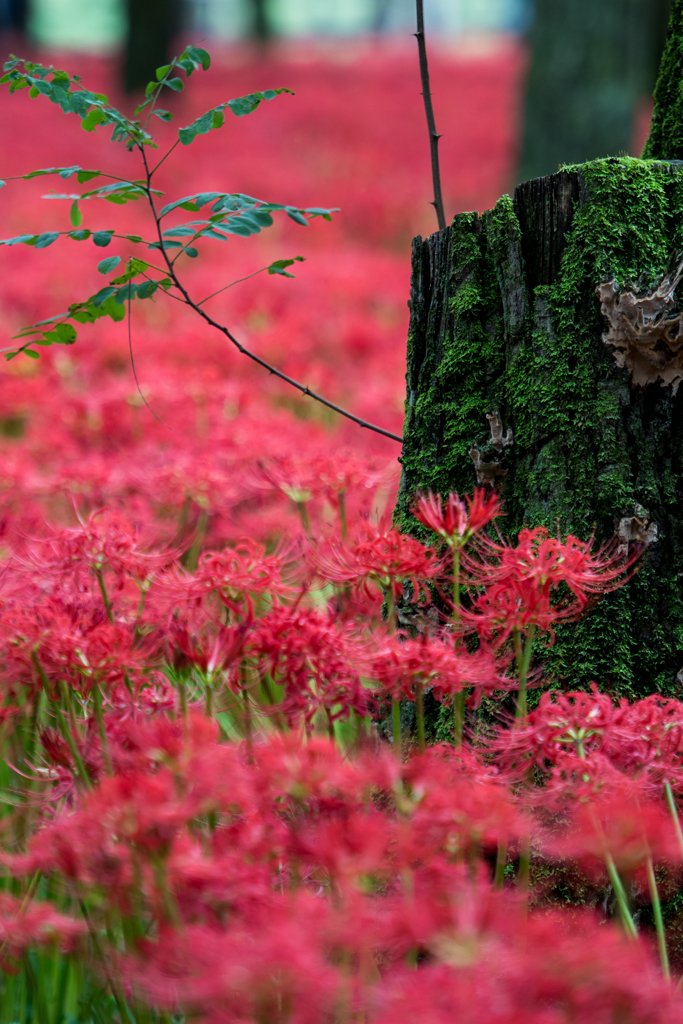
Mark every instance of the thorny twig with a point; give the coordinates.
(434, 136)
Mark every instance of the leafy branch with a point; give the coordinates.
(229, 213)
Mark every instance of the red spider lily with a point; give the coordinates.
(546, 562)
(104, 541)
(24, 925)
(315, 775)
(457, 522)
(616, 823)
(402, 664)
(643, 740)
(240, 973)
(346, 848)
(58, 642)
(387, 558)
(499, 968)
(456, 807)
(562, 724)
(237, 575)
(211, 653)
(314, 659)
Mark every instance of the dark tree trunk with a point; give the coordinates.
(506, 321)
(14, 16)
(261, 25)
(152, 28)
(590, 64)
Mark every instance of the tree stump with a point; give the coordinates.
(545, 358)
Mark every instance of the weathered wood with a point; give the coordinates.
(506, 321)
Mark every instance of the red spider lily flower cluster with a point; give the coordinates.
(386, 557)
(524, 582)
(401, 664)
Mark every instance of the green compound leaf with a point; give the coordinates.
(102, 238)
(243, 105)
(215, 117)
(75, 215)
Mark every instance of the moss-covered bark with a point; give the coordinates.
(505, 319)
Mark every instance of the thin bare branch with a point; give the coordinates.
(434, 136)
(303, 388)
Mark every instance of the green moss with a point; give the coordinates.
(665, 141)
(588, 447)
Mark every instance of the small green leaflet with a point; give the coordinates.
(215, 118)
(278, 266)
(106, 266)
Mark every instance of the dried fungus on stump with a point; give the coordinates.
(506, 322)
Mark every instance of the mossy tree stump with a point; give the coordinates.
(507, 321)
(545, 358)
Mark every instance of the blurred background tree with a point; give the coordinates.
(152, 28)
(13, 16)
(592, 62)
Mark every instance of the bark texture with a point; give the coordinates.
(506, 321)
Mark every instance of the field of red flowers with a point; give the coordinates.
(223, 799)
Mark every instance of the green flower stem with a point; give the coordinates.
(501, 860)
(395, 703)
(420, 712)
(674, 813)
(208, 692)
(624, 912)
(105, 596)
(97, 700)
(459, 717)
(659, 923)
(343, 521)
(182, 690)
(305, 519)
(524, 865)
(523, 659)
(459, 698)
(456, 586)
(68, 736)
(119, 998)
(396, 725)
(192, 556)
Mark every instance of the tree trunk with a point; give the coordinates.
(261, 25)
(152, 28)
(506, 321)
(591, 62)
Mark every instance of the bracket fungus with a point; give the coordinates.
(636, 529)
(644, 332)
(488, 473)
